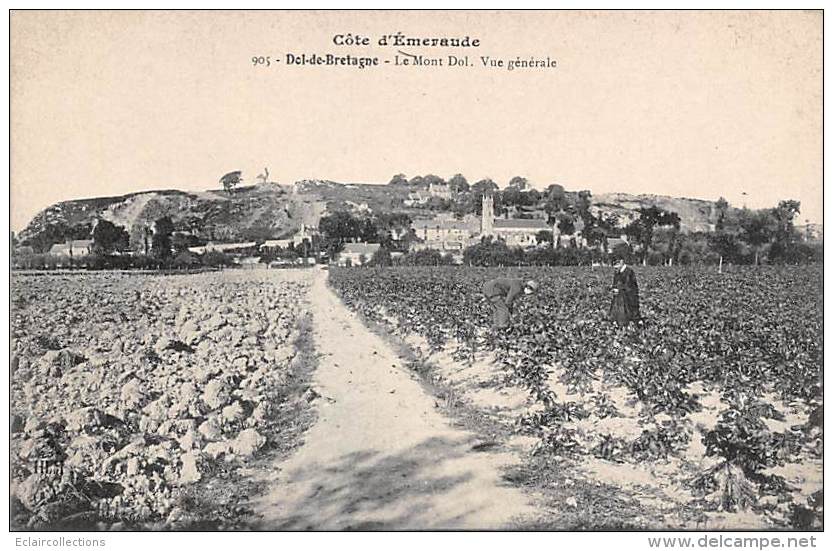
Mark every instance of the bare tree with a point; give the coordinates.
(264, 177)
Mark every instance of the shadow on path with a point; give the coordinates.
(365, 490)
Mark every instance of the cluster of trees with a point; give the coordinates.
(109, 238)
(94, 261)
(692, 249)
(460, 183)
(491, 252)
(57, 232)
(426, 257)
(164, 248)
(160, 238)
(467, 197)
(457, 183)
(517, 199)
(766, 233)
(304, 249)
(391, 230)
(741, 236)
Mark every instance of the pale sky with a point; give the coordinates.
(693, 104)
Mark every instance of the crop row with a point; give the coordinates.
(749, 330)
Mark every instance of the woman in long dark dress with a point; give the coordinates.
(625, 305)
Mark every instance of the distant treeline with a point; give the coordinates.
(695, 250)
(182, 261)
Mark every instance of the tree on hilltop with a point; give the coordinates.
(486, 185)
(433, 180)
(398, 180)
(458, 184)
(519, 182)
(231, 179)
(417, 181)
(555, 199)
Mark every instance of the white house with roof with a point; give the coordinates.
(223, 247)
(416, 198)
(357, 254)
(443, 191)
(295, 241)
(276, 244)
(76, 247)
(519, 232)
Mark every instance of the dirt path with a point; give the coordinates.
(380, 455)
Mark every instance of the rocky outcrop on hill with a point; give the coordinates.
(254, 212)
(695, 214)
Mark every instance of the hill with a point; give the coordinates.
(272, 210)
(695, 214)
(252, 212)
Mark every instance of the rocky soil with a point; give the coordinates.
(128, 389)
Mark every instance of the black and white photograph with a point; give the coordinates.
(417, 271)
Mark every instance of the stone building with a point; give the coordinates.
(521, 232)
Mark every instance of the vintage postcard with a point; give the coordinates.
(417, 271)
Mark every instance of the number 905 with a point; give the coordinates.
(261, 60)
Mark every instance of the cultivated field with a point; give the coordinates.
(707, 415)
(129, 391)
(376, 399)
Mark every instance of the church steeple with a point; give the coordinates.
(487, 226)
